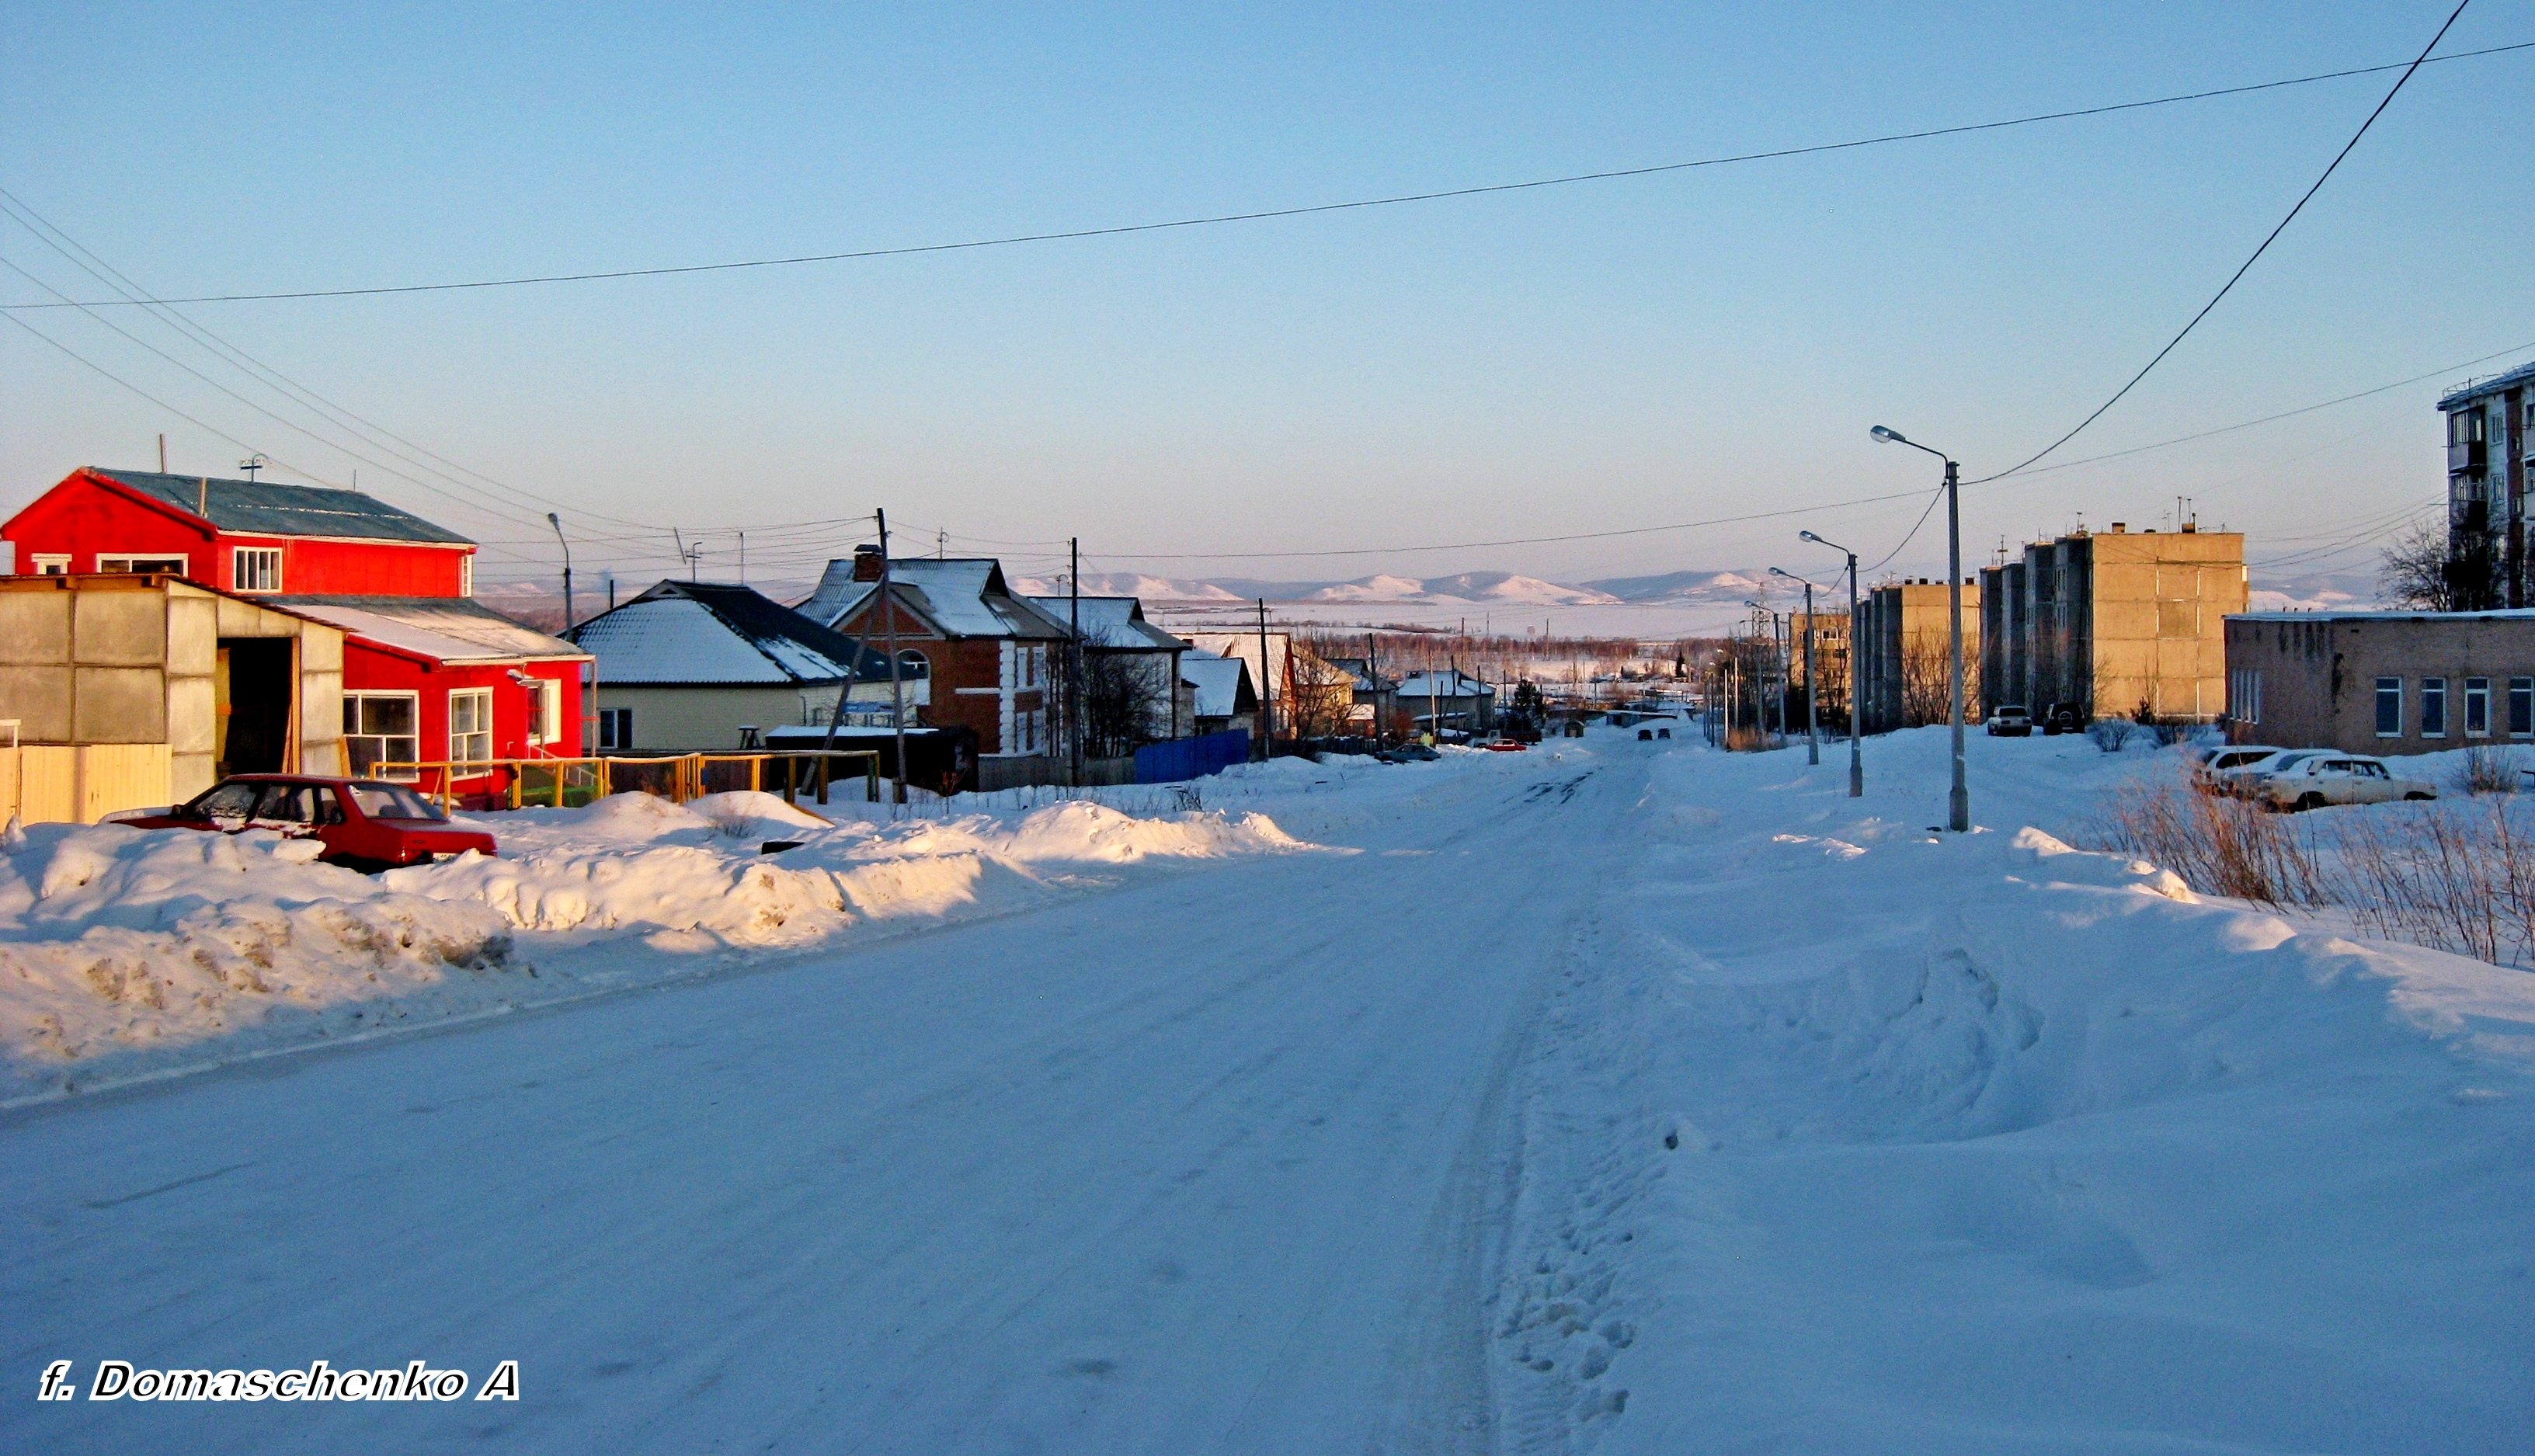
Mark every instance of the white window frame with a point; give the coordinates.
(2393, 684)
(125, 559)
(2516, 685)
(2471, 693)
(484, 695)
(545, 713)
(2245, 689)
(2433, 689)
(241, 557)
(415, 701)
(467, 573)
(615, 728)
(50, 563)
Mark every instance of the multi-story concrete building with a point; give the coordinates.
(2113, 624)
(2489, 445)
(1905, 649)
(2380, 682)
(1831, 663)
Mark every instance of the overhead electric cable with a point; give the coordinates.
(1266, 214)
(2264, 247)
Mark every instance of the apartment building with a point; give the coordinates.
(2114, 624)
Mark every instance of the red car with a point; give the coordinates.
(364, 824)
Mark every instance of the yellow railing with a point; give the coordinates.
(679, 777)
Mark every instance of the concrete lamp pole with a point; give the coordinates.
(1856, 671)
(1958, 805)
(1813, 684)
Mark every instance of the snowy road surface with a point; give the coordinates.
(1210, 1165)
(1611, 1098)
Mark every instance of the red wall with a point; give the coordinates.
(367, 668)
(85, 517)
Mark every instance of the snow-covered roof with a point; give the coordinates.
(1114, 622)
(716, 633)
(960, 597)
(269, 508)
(1220, 683)
(445, 629)
(1448, 684)
(2467, 392)
(2395, 614)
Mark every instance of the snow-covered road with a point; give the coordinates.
(1213, 1164)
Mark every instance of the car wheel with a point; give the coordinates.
(2409, 797)
(2310, 801)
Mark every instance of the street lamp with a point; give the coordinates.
(1958, 805)
(1856, 671)
(1813, 684)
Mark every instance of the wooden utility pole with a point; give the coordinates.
(1266, 694)
(1073, 686)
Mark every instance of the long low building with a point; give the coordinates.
(2384, 681)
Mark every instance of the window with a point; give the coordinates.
(298, 803)
(379, 728)
(2433, 708)
(616, 728)
(229, 801)
(128, 563)
(2521, 707)
(391, 802)
(467, 573)
(2245, 696)
(2465, 427)
(911, 665)
(52, 564)
(2389, 707)
(2477, 707)
(470, 725)
(255, 568)
(545, 711)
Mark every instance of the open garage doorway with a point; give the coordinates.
(252, 690)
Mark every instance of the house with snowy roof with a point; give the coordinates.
(1448, 701)
(986, 652)
(711, 666)
(1221, 697)
(1132, 694)
(429, 675)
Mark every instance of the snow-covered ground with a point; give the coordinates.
(1614, 1096)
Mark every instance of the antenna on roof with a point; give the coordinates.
(253, 463)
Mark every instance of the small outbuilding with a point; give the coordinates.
(710, 666)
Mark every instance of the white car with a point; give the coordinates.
(2336, 778)
(2217, 770)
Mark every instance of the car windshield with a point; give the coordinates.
(228, 801)
(393, 801)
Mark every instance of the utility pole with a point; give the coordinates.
(1074, 684)
(1958, 801)
(1266, 691)
(888, 643)
(163, 452)
(1813, 687)
(553, 520)
(1373, 684)
(743, 558)
(835, 715)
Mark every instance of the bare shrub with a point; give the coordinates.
(2219, 844)
(2489, 771)
(2110, 734)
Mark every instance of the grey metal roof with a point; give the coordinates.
(2473, 390)
(450, 628)
(270, 508)
(1116, 622)
(2389, 614)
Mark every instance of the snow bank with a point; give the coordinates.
(1855, 1138)
(124, 952)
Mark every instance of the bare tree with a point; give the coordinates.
(1926, 660)
(2414, 571)
(1122, 709)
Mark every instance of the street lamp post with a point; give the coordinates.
(1813, 684)
(1856, 672)
(1958, 804)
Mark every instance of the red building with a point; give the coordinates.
(429, 673)
(981, 654)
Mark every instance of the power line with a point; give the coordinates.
(2249, 262)
(1266, 214)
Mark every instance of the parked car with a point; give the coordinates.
(2218, 768)
(2328, 777)
(2246, 780)
(2010, 720)
(365, 825)
(2064, 717)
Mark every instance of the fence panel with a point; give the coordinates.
(1191, 757)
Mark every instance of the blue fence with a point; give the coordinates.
(1191, 757)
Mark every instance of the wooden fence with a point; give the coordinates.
(518, 783)
(43, 784)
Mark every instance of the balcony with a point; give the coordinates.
(2467, 456)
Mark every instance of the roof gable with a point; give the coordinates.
(719, 632)
(959, 597)
(269, 508)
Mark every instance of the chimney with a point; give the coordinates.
(2119, 526)
(2190, 526)
(867, 560)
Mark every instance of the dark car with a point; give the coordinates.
(365, 825)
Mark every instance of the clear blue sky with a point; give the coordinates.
(1570, 359)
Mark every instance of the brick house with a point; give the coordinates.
(985, 654)
(428, 673)
(2384, 682)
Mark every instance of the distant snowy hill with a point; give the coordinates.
(1127, 583)
(1686, 586)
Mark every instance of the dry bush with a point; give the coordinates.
(2110, 734)
(2219, 844)
(2489, 771)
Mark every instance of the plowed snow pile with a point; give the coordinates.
(125, 953)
